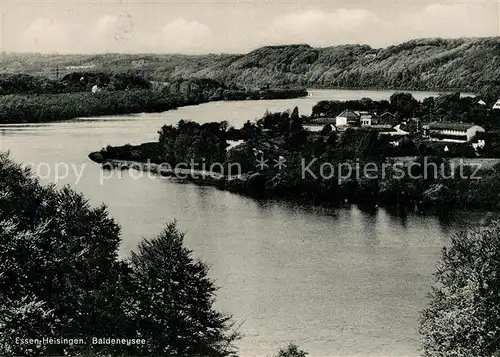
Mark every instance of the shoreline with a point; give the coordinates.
(236, 184)
(198, 177)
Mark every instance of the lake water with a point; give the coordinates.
(343, 282)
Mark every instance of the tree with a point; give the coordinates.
(327, 129)
(318, 147)
(405, 104)
(490, 93)
(295, 125)
(190, 141)
(295, 114)
(362, 144)
(292, 350)
(60, 276)
(59, 272)
(463, 317)
(173, 300)
(428, 107)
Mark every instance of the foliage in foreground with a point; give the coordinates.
(167, 280)
(60, 277)
(463, 317)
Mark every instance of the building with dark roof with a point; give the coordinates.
(348, 118)
(453, 132)
(388, 118)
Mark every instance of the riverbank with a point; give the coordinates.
(201, 177)
(384, 191)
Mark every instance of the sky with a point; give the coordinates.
(233, 26)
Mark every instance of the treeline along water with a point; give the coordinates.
(348, 281)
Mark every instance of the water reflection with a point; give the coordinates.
(345, 280)
(370, 221)
(398, 216)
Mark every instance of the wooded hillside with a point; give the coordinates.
(426, 64)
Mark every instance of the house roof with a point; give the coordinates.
(324, 121)
(364, 114)
(451, 126)
(349, 114)
(388, 113)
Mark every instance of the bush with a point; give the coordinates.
(463, 317)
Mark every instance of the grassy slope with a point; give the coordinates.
(432, 64)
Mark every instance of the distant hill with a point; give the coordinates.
(469, 64)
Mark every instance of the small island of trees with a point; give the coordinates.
(284, 135)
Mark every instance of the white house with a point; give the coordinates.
(366, 118)
(479, 144)
(348, 118)
(95, 89)
(453, 132)
(497, 105)
(366, 121)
